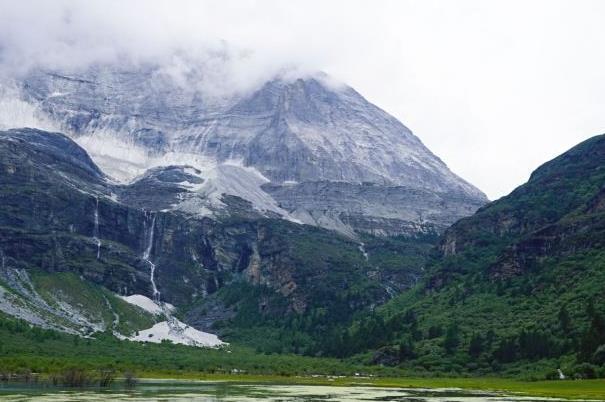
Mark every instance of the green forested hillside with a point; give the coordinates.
(260, 318)
(518, 287)
(27, 349)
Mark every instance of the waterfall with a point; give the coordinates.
(146, 255)
(174, 325)
(561, 375)
(362, 249)
(95, 234)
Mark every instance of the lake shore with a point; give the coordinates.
(567, 389)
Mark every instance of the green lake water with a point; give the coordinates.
(216, 391)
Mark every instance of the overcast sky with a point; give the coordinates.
(495, 88)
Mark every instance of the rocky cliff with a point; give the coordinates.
(59, 214)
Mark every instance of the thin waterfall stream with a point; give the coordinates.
(174, 324)
(95, 234)
(146, 255)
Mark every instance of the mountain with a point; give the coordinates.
(72, 240)
(202, 243)
(273, 217)
(306, 149)
(515, 287)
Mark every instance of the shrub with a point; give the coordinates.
(106, 377)
(130, 380)
(72, 377)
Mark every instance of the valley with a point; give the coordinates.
(251, 265)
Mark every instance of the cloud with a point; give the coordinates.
(494, 88)
(180, 36)
(237, 44)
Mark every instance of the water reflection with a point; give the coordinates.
(228, 392)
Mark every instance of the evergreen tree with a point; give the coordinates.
(452, 339)
(535, 345)
(406, 350)
(564, 320)
(475, 348)
(506, 351)
(490, 338)
(593, 338)
(435, 331)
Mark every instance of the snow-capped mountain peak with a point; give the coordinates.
(290, 133)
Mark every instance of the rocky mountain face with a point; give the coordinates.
(306, 149)
(287, 210)
(59, 215)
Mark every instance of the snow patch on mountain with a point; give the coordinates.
(147, 304)
(172, 329)
(245, 182)
(179, 333)
(124, 162)
(16, 113)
